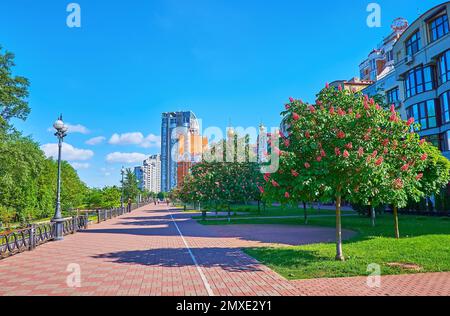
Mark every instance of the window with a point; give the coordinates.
(419, 80)
(446, 141)
(438, 27)
(445, 102)
(413, 44)
(424, 113)
(390, 56)
(392, 96)
(444, 67)
(434, 139)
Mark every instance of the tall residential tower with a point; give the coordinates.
(175, 126)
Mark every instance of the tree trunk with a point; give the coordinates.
(339, 254)
(305, 213)
(397, 231)
(372, 215)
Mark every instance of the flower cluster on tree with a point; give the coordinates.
(348, 147)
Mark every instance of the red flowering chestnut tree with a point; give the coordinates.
(351, 149)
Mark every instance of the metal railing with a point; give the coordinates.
(27, 239)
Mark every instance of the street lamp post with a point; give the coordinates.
(122, 171)
(139, 194)
(61, 132)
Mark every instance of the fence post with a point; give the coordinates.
(74, 224)
(32, 244)
(98, 216)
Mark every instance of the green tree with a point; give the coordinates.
(13, 91)
(343, 142)
(130, 186)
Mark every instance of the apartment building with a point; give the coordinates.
(422, 75)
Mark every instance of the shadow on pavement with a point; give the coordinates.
(231, 260)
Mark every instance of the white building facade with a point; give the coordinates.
(152, 174)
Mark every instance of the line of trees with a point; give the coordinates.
(349, 147)
(27, 177)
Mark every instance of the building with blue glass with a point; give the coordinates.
(173, 124)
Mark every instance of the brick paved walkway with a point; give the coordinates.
(143, 253)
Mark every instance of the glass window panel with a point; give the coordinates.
(415, 113)
(423, 123)
(432, 122)
(431, 108)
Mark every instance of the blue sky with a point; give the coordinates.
(226, 60)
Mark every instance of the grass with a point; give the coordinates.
(272, 211)
(425, 242)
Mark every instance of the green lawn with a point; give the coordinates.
(425, 242)
(252, 211)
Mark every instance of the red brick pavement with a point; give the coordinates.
(142, 253)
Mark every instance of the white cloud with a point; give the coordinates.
(135, 138)
(77, 129)
(151, 141)
(106, 172)
(96, 140)
(69, 152)
(80, 165)
(73, 128)
(119, 157)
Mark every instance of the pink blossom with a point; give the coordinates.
(275, 184)
(349, 146)
(405, 167)
(394, 117)
(337, 151)
(419, 176)
(287, 106)
(332, 110)
(319, 158)
(287, 143)
(287, 195)
(398, 184)
(424, 157)
(422, 141)
(366, 105)
(392, 108)
(307, 165)
(410, 121)
(327, 85)
(360, 151)
(291, 100)
(294, 173)
(322, 153)
(358, 116)
(312, 109)
(295, 116)
(261, 190)
(379, 161)
(341, 112)
(346, 154)
(307, 135)
(341, 135)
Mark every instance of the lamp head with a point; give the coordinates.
(58, 125)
